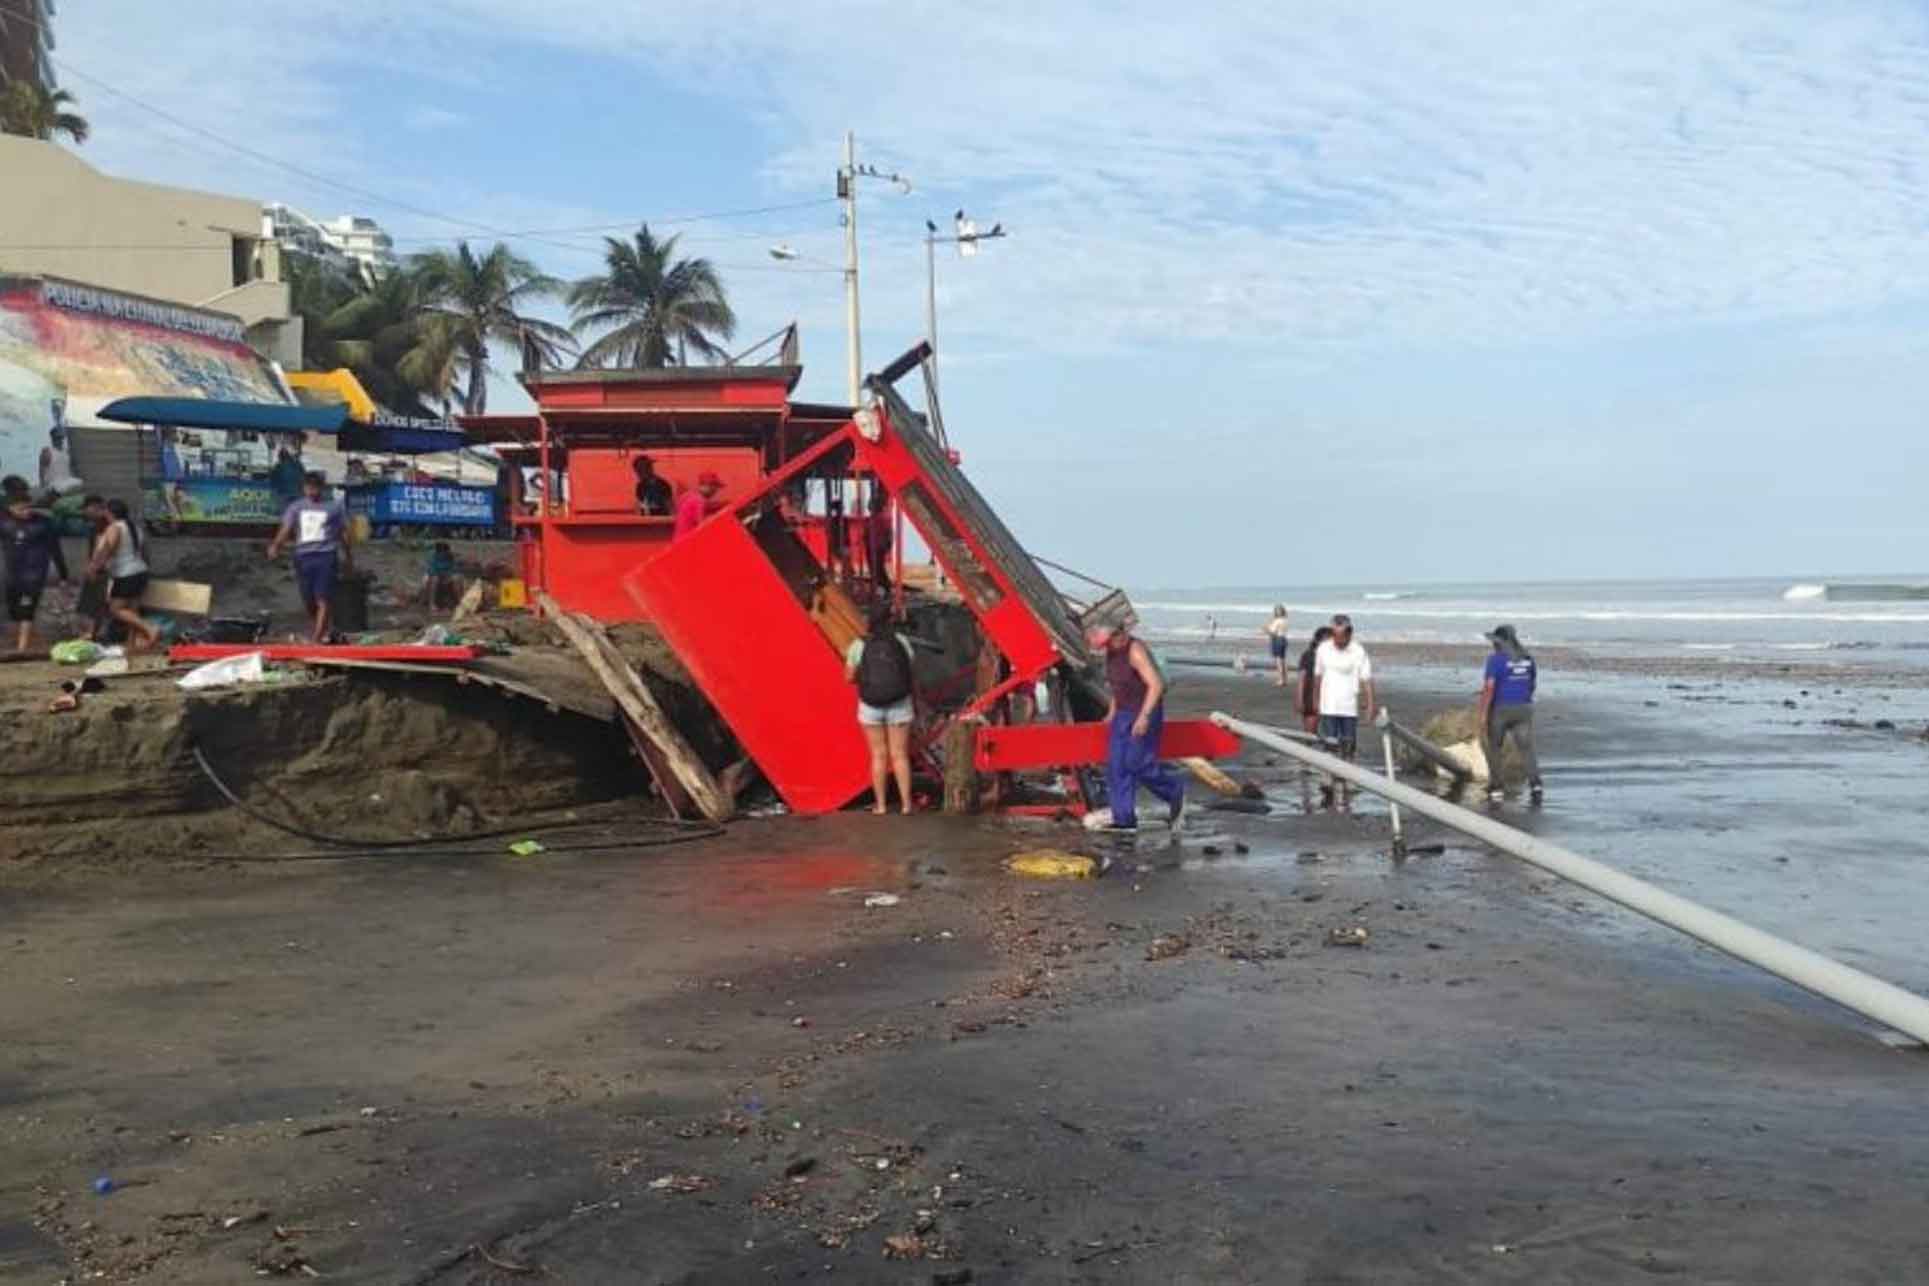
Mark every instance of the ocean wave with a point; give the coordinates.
(1857, 592)
(1489, 614)
(1387, 596)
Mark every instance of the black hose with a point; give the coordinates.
(681, 831)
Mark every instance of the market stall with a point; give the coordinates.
(220, 468)
(399, 497)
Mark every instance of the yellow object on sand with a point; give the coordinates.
(1052, 864)
(511, 592)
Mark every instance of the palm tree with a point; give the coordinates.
(31, 109)
(373, 328)
(382, 332)
(467, 302)
(652, 307)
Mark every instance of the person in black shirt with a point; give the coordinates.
(1303, 693)
(653, 495)
(30, 543)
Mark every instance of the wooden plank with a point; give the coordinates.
(641, 706)
(179, 596)
(1209, 774)
(667, 785)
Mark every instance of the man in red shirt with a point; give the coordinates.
(693, 506)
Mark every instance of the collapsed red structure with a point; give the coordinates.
(761, 600)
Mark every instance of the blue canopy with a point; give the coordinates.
(203, 413)
(396, 439)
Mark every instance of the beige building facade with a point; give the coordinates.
(60, 217)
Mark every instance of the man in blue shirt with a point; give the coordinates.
(1507, 709)
(319, 531)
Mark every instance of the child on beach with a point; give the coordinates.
(439, 582)
(1276, 640)
(1507, 709)
(31, 543)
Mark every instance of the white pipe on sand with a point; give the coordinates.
(1869, 996)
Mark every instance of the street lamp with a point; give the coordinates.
(965, 236)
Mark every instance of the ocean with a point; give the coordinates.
(1879, 619)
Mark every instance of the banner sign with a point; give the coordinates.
(148, 312)
(401, 502)
(213, 500)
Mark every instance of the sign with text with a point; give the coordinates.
(424, 504)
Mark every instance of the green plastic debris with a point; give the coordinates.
(526, 848)
(75, 652)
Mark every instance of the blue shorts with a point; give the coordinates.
(1343, 729)
(315, 577)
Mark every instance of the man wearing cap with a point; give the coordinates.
(693, 506)
(1342, 688)
(1507, 709)
(1136, 716)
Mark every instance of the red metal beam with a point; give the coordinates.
(1018, 747)
(318, 651)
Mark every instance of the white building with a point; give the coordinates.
(363, 240)
(350, 243)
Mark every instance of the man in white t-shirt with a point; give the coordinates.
(1342, 688)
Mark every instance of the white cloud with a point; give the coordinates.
(433, 118)
(1286, 174)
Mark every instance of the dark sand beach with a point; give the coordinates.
(713, 1063)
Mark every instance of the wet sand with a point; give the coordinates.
(450, 1071)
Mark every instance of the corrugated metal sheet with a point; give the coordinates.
(112, 462)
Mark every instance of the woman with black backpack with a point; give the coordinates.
(880, 665)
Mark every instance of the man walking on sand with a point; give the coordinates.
(319, 530)
(1342, 689)
(1136, 715)
(1507, 709)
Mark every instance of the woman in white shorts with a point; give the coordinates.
(880, 665)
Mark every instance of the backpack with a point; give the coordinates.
(883, 672)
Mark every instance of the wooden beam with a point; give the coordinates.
(634, 696)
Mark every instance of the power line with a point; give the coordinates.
(539, 236)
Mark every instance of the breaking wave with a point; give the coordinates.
(1834, 592)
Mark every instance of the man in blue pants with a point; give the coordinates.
(1137, 716)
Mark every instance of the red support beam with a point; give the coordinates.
(1051, 745)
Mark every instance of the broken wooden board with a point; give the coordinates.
(640, 705)
(1209, 774)
(190, 597)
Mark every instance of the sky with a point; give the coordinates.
(1294, 293)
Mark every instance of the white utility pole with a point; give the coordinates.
(847, 190)
(847, 176)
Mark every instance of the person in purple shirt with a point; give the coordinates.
(319, 531)
(30, 543)
(1507, 709)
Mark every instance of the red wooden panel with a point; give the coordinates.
(1052, 745)
(763, 663)
(584, 565)
(422, 655)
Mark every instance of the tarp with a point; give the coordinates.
(204, 413)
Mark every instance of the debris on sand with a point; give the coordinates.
(1166, 946)
(1352, 936)
(682, 1183)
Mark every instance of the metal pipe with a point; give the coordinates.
(1422, 747)
(1386, 744)
(1869, 996)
